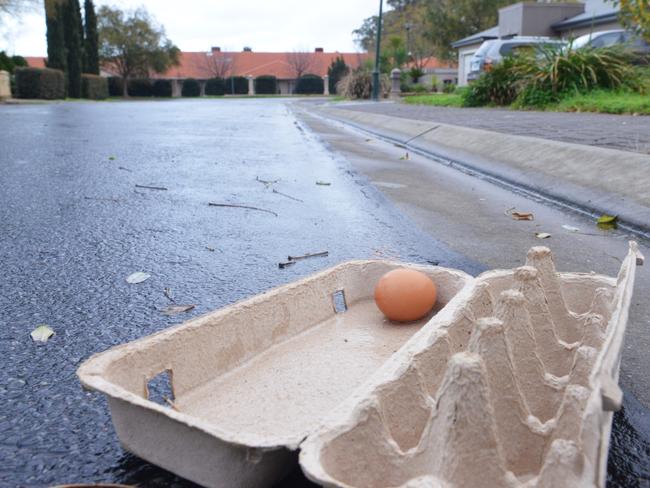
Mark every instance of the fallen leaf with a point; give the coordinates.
(406, 157)
(111, 158)
(607, 219)
(570, 228)
(211, 249)
(41, 333)
(522, 216)
(542, 235)
(176, 309)
(323, 183)
(138, 277)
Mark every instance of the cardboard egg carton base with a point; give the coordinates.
(510, 381)
(513, 386)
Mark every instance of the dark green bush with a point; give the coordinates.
(115, 86)
(239, 83)
(191, 88)
(449, 88)
(266, 85)
(337, 70)
(215, 87)
(162, 88)
(94, 87)
(499, 86)
(420, 89)
(310, 85)
(405, 87)
(48, 84)
(140, 87)
(415, 74)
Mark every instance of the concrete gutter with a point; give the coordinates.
(590, 179)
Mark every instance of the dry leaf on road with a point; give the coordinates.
(138, 277)
(607, 219)
(542, 235)
(41, 333)
(522, 216)
(570, 228)
(176, 309)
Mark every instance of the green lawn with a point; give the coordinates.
(436, 99)
(606, 102)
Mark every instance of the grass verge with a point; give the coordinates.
(605, 102)
(437, 100)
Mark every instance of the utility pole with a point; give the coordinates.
(375, 73)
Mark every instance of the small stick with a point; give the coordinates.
(288, 196)
(168, 294)
(125, 169)
(152, 187)
(286, 265)
(100, 199)
(232, 205)
(266, 183)
(307, 256)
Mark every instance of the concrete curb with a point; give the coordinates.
(589, 179)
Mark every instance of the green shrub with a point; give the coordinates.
(237, 83)
(358, 84)
(115, 86)
(419, 89)
(415, 74)
(140, 87)
(191, 88)
(266, 85)
(405, 87)
(449, 88)
(310, 85)
(337, 70)
(10, 63)
(162, 88)
(215, 87)
(94, 87)
(499, 86)
(47, 84)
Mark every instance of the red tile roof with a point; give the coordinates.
(35, 61)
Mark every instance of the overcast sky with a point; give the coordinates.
(196, 25)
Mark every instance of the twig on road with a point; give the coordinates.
(162, 188)
(287, 196)
(125, 169)
(307, 256)
(286, 265)
(266, 183)
(232, 205)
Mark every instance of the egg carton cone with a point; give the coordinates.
(510, 381)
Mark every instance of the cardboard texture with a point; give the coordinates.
(510, 381)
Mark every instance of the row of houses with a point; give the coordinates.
(540, 18)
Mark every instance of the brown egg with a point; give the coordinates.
(405, 295)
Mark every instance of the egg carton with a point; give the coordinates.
(514, 386)
(510, 381)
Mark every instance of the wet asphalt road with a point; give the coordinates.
(73, 225)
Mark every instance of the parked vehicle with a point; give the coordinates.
(493, 51)
(637, 45)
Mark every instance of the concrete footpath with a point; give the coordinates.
(595, 180)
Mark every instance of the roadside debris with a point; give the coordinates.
(570, 228)
(111, 158)
(125, 169)
(162, 188)
(137, 277)
(607, 222)
(287, 196)
(168, 293)
(41, 333)
(307, 256)
(323, 183)
(542, 235)
(406, 157)
(102, 199)
(211, 249)
(266, 183)
(233, 205)
(514, 214)
(176, 309)
(286, 265)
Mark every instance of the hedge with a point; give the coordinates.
(162, 88)
(240, 84)
(94, 87)
(40, 83)
(310, 85)
(140, 87)
(191, 88)
(215, 87)
(266, 85)
(115, 86)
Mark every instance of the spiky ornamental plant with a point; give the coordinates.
(91, 40)
(56, 52)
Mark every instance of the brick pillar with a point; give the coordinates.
(326, 85)
(251, 85)
(395, 79)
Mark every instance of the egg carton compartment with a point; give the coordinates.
(227, 398)
(512, 386)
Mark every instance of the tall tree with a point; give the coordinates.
(337, 70)
(133, 44)
(56, 52)
(73, 44)
(91, 39)
(635, 15)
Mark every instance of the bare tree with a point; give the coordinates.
(14, 8)
(300, 62)
(220, 64)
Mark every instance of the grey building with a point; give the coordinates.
(564, 20)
